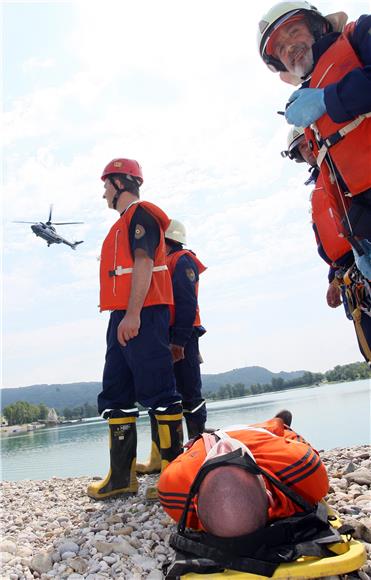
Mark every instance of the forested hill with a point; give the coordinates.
(72, 395)
(235, 383)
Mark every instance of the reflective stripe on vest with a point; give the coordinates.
(116, 264)
(119, 271)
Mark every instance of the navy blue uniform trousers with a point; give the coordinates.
(188, 379)
(141, 371)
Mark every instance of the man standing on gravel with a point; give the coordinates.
(135, 286)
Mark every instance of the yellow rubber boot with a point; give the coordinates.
(153, 465)
(170, 430)
(121, 478)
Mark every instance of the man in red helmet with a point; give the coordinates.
(331, 59)
(135, 286)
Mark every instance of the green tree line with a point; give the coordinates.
(350, 372)
(80, 412)
(21, 412)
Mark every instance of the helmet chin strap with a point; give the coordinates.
(119, 191)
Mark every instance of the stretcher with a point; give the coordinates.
(350, 556)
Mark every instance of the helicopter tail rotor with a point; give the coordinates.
(73, 246)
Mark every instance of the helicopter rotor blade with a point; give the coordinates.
(21, 222)
(65, 223)
(50, 214)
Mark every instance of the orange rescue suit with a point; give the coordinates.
(280, 451)
(351, 154)
(325, 216)
(116, 263)
(171, 261)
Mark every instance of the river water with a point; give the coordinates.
(329, 416)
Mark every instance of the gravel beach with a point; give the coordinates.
(51, 529)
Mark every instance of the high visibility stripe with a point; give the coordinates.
(122, 420)
(305, 475)
(189, 411)
(305, 467)
(171, 494)
(169, 507)
(119, 270)
(177, 417)
(174, 502)
(293, 465)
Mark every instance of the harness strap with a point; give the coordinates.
(242, 564)
(331, 140)
(357, 315)
(120, 271)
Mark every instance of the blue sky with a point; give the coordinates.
(180, 87)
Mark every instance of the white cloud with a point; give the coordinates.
(38, 63)
(180, 87)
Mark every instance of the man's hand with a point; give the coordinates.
(177, 352)
(305, 106)
(333, 295)
(128, 328)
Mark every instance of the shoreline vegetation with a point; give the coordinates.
(52, 529)
(23, 416)
(339, 374)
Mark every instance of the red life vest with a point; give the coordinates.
(116, 263)
(171, 261)
(347, 145)
(277, 449)
(327, 220)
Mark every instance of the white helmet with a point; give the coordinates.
(279, 14)
(293, 138)
(176, 232)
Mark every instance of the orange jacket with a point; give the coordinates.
(116, 264)
(351, 154)
(171, 261)
(325, 216)
(279, 450)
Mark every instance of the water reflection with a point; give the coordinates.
(320, 413)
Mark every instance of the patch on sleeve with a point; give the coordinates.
(190, 274)
(139, 232)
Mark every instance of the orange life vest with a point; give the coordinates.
(171, 261)
(327, 220)
(116, 263)
(347, 145)
(277, 449)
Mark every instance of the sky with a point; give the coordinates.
(179, 86)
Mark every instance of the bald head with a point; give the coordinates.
(231, 502)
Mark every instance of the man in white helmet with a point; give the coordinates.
(332, 60)
(185, 330)
(345, 281)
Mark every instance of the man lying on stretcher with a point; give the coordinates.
(232, 501)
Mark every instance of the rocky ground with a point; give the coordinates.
(51, 529)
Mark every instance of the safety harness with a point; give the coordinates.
(356, 295)
(307, 533)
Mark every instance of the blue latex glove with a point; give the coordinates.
(305, 106)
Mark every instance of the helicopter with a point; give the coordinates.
(47, 232)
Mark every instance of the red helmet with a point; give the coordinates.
(124, 166)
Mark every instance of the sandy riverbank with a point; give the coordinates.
(51, 529)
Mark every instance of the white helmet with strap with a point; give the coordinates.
(277, 16)
(176, 232)
(294, 136)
